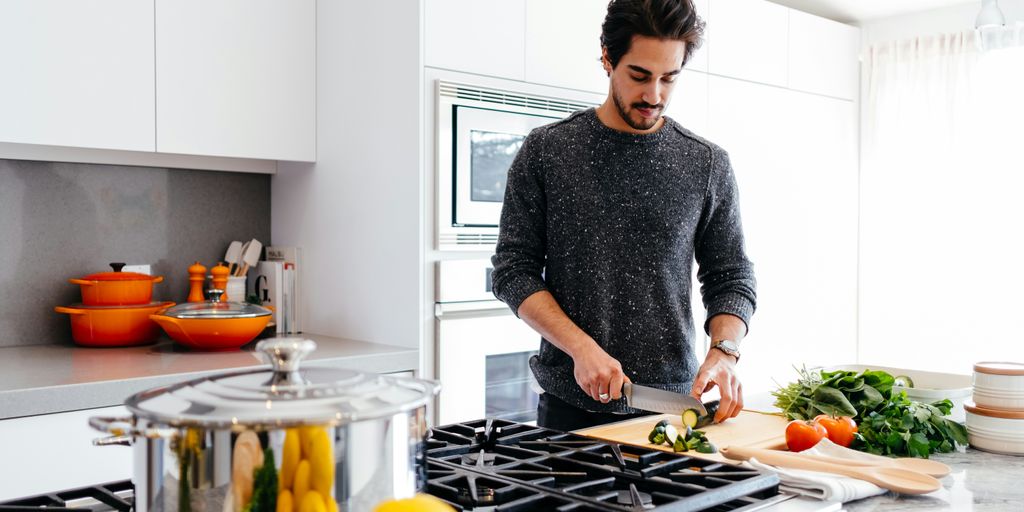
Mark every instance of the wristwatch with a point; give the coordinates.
(730, 347)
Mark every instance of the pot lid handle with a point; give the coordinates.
(285, 354)
(117, 266)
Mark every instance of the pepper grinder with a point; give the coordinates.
(196, 277)
(220, 279)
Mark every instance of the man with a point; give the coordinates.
(604, 213)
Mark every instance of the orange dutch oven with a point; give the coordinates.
(212, 324)
(117, 288)
(113, 326)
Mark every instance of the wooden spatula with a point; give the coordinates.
(892, 478)
(926, 466)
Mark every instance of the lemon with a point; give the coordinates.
(312, 501)
(332, 506)
(290, 457)
(321, 462)
(419, 503)
(301, 485)
(284, 501)
(306, 440)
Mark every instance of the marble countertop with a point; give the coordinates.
(980, 481)
(44, 379)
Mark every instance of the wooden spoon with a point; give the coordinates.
(926, 466)
(892, 478)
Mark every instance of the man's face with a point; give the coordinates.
(642, 82)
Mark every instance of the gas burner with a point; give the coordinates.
(476, 495)
(636, 499)
(479, 459)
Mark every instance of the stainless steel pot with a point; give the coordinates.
(327, 439)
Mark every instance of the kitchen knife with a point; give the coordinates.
(659, 400)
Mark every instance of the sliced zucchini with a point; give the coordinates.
(903, 381)
(662, 423)
(650, 437)
(671, 434)
(706, 447)
(690, 417)
(658, 438)
(680, 445)
(709, 418)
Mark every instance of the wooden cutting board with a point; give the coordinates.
(750, 428)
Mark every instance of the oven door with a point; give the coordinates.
(483, 363)
(485, 142)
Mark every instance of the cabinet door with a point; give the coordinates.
(476, 36)
(237, 78)
(77, 73)
(699, 58)
(794, 156)
(823, 56)
(750, 38)
(563, 44)
(54, 452)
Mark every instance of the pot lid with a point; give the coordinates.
(282, 396)
(117, 275)
(999, 368)
(215, 309)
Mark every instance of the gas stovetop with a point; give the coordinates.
(513, 467)
(503, 466)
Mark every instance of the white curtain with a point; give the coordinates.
(942, 201)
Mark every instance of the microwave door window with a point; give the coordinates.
(491, 156)
(485, 144)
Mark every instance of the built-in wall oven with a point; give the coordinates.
(479, 132)
(483, 350)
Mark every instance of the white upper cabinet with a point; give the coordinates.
(750, 40)
(77, 73)
(823, 56)
(237, 78)
(563, 44)
(476, 36)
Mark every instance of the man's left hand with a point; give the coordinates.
(719, 369)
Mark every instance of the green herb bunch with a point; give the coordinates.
(888, 423)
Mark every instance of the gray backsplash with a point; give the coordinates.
(65, 220)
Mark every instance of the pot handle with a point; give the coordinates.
(70, 311)
(124, 428)
(158, 279)
(82, 282)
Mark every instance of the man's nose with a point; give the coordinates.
(653, 93)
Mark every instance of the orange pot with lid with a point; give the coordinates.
(113, 326)
(212, 324)
(117, 288)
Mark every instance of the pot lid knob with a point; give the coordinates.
(214, 294)
(117, 266)
(285, 353)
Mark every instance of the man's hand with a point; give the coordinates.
(719, 369)
(598, 373)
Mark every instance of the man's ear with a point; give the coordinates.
(605, 63)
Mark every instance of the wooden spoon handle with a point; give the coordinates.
(894, 479)
(928, 467)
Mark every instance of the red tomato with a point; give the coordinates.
(840, 429)
(801, 435)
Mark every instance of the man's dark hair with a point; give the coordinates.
(662, 19)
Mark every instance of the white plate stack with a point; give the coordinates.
(995, 421)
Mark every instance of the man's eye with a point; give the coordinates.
(669, 80)
(639, 78)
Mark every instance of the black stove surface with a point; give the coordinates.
(503, 466)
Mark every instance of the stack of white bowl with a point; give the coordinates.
(995, 421)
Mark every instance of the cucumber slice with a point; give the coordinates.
(690, 417)
(680, 445)
(903, 381)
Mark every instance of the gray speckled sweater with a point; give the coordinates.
(610, 222)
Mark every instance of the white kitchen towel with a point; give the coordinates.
(824, 486)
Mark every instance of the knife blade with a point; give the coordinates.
(658, 400)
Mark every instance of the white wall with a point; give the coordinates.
(356, 212)
(948, 19)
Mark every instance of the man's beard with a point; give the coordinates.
(643, 123)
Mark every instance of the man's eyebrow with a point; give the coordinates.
(639, 69)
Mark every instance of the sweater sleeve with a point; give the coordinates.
(519, 256)
(725, 273)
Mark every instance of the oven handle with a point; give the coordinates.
(470, 309)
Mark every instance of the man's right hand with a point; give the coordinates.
(598, 373)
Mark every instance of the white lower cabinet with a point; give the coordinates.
(54, 452)
(77, 73)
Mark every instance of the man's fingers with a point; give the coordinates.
(615, 386)
(699, 384)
